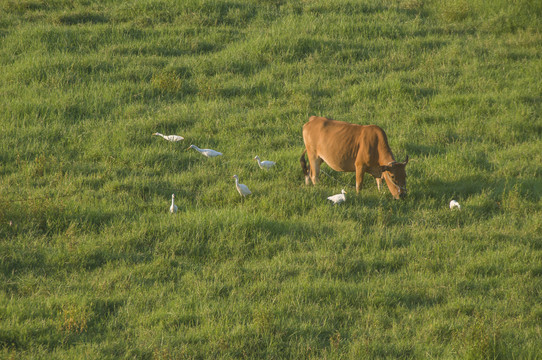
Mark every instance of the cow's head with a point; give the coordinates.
(395, 176)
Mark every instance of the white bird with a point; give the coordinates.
(266, 164)
(454, 204)
(339, 198)
(242, 188)
(205, 152)
(173, 207)
(172, 138)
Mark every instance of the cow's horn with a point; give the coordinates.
(406, 160)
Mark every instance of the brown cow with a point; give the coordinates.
(351, 147)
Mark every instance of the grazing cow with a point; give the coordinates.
(352, 148)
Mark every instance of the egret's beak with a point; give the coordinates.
(187, 149)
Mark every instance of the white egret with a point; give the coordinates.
(173, 207)
(266, 164)
(172, 138)
(339, 198)
(205, 152)
(454, 204)
(242, 188)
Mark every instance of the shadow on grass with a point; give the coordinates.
(44, 237)
(239, 238)
(83, 17)
(469, 186)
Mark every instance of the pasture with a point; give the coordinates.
(93, 265)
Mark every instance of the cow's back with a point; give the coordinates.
(319, 129)
(340, 144)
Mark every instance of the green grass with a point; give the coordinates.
(92, 265)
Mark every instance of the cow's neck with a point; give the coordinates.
(386, 157)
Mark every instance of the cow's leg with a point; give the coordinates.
(315, 171)
(314, 162)
(360, 171)
(378, 183)
(305, 168)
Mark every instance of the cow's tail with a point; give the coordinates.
(305, 167)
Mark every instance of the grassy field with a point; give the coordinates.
(92, 264)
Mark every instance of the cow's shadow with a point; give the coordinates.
(481, 197)
(474, 185)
